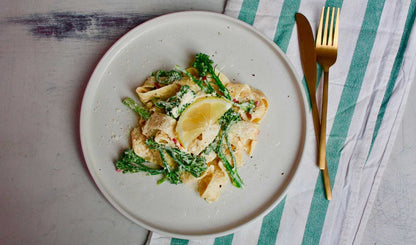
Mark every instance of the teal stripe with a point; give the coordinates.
(176, 241)
(334, 3)
(286, 23)
(271, 224)
(395, 70)
(224, 240)
(284, 29)
(319, 74)
(248, 11)
(345, 111)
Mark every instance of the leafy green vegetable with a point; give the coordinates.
(175, 105)
(145, 114)
(167, 77)
(229, 118)
(186, 162)
(204, 65)
(202, 84)
(212, 147)
(171, 174)
(129, 162)
(247, 106)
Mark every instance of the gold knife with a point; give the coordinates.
(308, 58)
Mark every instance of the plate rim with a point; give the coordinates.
(103, 63)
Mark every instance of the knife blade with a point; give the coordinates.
(308, 59)
(307, 51)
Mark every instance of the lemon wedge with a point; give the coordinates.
(198, 116)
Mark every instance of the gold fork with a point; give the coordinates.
(326, 55)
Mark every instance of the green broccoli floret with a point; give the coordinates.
(167, 77)
(186, 162)
(204, 65)
(129, 162)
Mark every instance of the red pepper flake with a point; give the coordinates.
(234, 100)
(118, 170)
(177, 142)
(157, 85)
(256, 103)
(204, 78)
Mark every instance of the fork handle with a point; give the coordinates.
(322, 138)
(317, 125)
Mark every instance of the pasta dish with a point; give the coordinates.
(194, 127)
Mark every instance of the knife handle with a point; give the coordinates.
(322, 138)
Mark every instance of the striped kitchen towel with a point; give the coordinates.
(368, 89)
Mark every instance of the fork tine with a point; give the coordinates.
(336, 30)
(321, 22)
(325, 37)
(331, 27)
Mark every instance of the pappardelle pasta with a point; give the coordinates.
(194, 127)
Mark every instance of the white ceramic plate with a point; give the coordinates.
(244, 55)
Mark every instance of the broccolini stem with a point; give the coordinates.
(207, 88)
(145, 114)
(172, 175)
(195, 165)
(220, 85)
(232, 171)
(230, 150)
(132, 163)
(165, 163)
